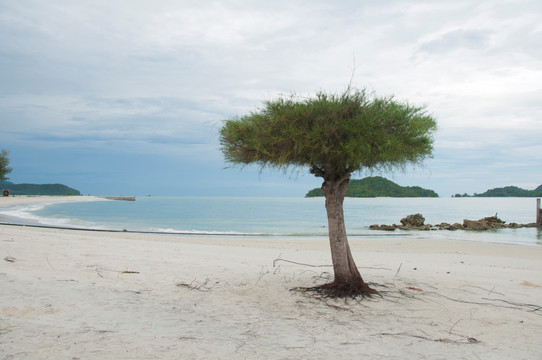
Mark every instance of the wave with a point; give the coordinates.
(24, 214)
(27, 215)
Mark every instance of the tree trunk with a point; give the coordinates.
(347, 275)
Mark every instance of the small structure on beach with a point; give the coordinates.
(5, 192)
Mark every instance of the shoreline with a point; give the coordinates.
(14, 200)
(108, 295)
(28, 219)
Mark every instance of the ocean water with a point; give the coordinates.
(296, 217)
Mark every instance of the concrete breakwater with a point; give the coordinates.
(124, 198)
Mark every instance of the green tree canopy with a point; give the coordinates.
(333, 135)
(4, 165)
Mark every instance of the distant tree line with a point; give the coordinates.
(377, 186)
(40, 189)
(507, 191)
(29, 189)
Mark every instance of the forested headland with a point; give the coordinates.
(507, 191)
(39, 189)
(377, 186)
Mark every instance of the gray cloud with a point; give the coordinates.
(458, 39)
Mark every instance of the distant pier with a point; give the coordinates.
(123, 198)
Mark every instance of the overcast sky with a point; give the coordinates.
(125, 97)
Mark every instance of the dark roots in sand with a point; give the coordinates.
(341, 290)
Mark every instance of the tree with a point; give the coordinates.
(4, 169)
(333, 135)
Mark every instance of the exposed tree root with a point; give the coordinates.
(341, 290)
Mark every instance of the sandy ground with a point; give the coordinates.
(24, 200)
(69, 294)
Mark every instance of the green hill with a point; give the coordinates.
(508, 191)
(377, 186)
(39, 189)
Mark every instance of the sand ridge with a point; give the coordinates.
(87, 295)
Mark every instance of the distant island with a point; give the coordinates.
(507, 191)
(39, 189)
(377, 186)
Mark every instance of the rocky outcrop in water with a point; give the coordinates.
(417, 222)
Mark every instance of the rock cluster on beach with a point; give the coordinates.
(417, 222)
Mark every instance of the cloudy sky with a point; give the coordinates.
(125, 97)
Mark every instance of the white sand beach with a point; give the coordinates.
(69, 294)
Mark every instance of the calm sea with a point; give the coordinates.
(297, 217)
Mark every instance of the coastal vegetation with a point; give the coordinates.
(30, 189)
(4, 166)
(334, 135)
(377, 186)
(41, 189)
(507, 191)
